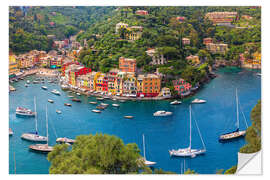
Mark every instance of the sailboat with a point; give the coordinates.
(237, 133)
(43, 147)
(147, 163)
(34, 135)
(188, 151)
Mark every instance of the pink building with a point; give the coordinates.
(181, 86)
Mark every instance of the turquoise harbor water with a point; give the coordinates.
(215, 117)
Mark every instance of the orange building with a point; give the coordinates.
(127, 65)
(148, 85)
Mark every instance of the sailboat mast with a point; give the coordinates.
(144, 148)
(237, 111)
(189, 126)
(35, 113)
(47, 125)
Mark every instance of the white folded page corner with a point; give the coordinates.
(249, 163)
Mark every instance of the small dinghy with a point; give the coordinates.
(44, 87)
(128, 117)
(175, 102)
(96, 111)
(50, 101)
(198, 101)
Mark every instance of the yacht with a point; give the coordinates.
(175, 102)
(50, 101)
(56, 92)
(96, 111)
(58, 112)
(67, 104)
(104, 104)
(24, 112)
(198, 101)
(115, 105)
(44, 87)
(92, 102)
(162, 113)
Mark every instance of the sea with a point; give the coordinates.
(215, 117)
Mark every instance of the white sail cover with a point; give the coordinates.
(249, 163)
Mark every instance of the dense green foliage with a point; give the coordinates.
(189, 171)
(96, 154)
(253, 134)
(29, 26)
(232, 170)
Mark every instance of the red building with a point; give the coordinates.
(64, 66)
(142, 12)
(181, 86)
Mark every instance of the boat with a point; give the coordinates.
(115, 105)
(189, 151)
(104, 104)
(26, 85)
(258, 74)
(128, 117)
(100, 98)
(198, 101)
(92, 102)
(28, 82)
(58, 112)
(67, 104)
(237, 133)
(35, 82)
(162, 113)
(96, 111)
(106, 97)
(25, 112)
(34, 136)
(147, 163)
(56, 92)
(101, 107)
(45, 148)
(78, 94)
(122, 101)
(65, 140)
(114, 99)
(64, 87)
(175, 102)
(44, 87)
(76, 100)
(10, 132)
(51, 101)
(70, 96)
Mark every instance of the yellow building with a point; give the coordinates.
(130, 84)
(193, 60)
(118, 83)
(99, 82)
(257, 58)
(13, 66)
(148, 85)
(112, 76)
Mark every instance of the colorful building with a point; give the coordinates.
(217, 48)
(181, 86)
(102, 83)
(129, 84)
(148, 85)
(127, 65)
(119, 26)
(221, 17)
(13, 66)
(112, 76)
(194, 60)
(75, 71)
(157, 58)
(142, 12)
(134, 32)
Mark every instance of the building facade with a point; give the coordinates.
(127, 65)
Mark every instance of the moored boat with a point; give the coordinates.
(115, 105)
(58, 112)
(26, 85)
(147, 163)
(24, 112)
(92, 102)
(50, 101)
(44, 87)
(76, 100)
(67, 104)
(100, 98)
(28, 82)
(54, 91)
(162, 113)
(104, 104)
(101, 107)
(96, 111)
(198, 101)
(129, 117)
(78, 94)
(175, 102)
(10, 132)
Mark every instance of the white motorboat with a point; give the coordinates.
(26, 85)
(104, 104)
(162, 113)
(100, 98)
(56, 92)
(65, 140)
(10, 132)
(21, 111)
(147, 163)
(44, 87)
(58, 112)
(78, 94)
(115, 105)
(189, 151)
(92, 102)
(28, 82)
(175, 102)
(96, 111)
(50, 101)
(198, 101)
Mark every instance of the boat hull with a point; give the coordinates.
(41, 148)
(34, 137)
(232, 136)
(187, 152)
